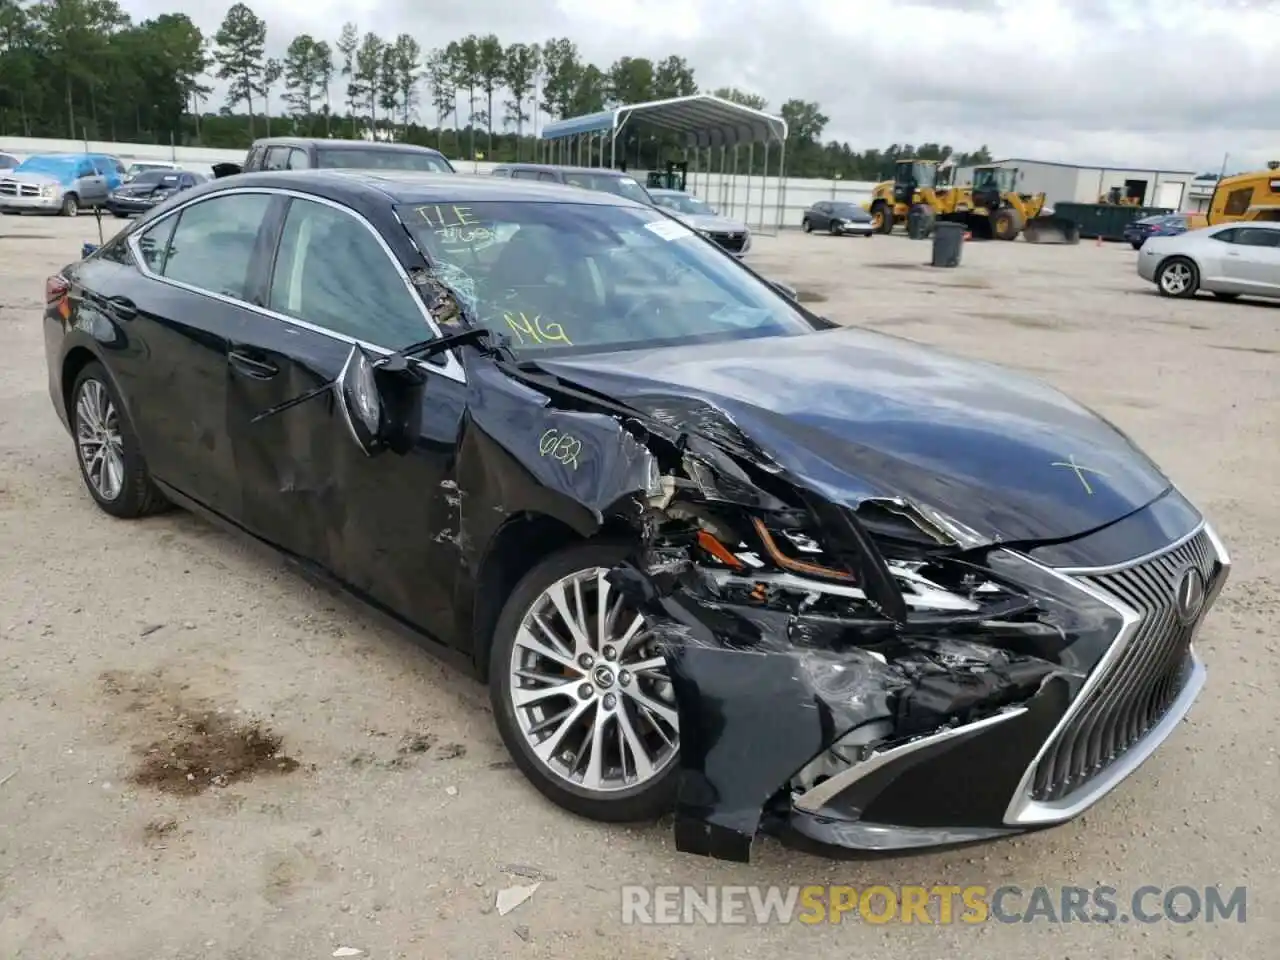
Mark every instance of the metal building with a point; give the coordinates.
(1070, 183)
(718, 137)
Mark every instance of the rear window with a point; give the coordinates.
(375, 159)
(622, 186)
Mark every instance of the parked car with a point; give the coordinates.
(59, 183)
(149, 188)
(1137, 232)
(300, 153)
(1228, 261)
(733, 235)
(8, 161)
(144, 166)
(587, 178)
(837, 218)
(558, 438)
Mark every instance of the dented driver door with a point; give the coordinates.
(386, 525)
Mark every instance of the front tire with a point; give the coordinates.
(582, 700)
(70, 205)
(107, 448)
(806, 225)
(1178, 277)
(881, 217)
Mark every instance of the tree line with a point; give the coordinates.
(85, 69)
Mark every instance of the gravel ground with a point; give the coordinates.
(387, 816)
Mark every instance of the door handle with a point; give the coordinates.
(122, 308)
(252, 366)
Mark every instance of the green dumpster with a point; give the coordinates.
(1105, 220)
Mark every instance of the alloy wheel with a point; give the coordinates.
(1175, 278)
(99, 441)
(590, 688)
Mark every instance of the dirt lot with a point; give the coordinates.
(348, 791)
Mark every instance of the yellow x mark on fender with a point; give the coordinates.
(1080, 471)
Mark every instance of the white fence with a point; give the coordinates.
(753, 199)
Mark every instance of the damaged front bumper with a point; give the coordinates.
(840, 734)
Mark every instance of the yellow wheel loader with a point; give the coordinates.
(1246, 196)
(991, 208)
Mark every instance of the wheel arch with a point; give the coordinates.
(76, 359)
(522, 542)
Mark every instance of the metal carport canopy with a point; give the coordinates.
(702, 120)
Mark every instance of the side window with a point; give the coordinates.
(1257, 238)
(547, 177)
(502, 172)
(1226, 236)
(331, 271)
(213, 243)
(525, 174)
(1238, 201)
(298, 159)
(119, 168)
(277, 158)
(153, 243)
(85, 169)
(254, 160)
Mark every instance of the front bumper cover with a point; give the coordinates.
(929, 738)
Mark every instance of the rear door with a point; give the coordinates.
(90, 185)
(197, 270)
(381, 525)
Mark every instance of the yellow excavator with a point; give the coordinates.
(1246, 196)
(991, 207)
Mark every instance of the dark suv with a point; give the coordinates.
(301, 153)
(588, 178)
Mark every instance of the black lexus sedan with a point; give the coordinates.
(149, 188)
(827, 583)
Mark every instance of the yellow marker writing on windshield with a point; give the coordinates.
(441, 216)
(535, 330)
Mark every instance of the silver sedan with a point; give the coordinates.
(1229, 260)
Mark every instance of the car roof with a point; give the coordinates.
(339, 144)
(1260, 224)
(555, 168)
(667, 192)
(412, 186)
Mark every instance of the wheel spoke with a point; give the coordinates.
(573, 623)
(656, 707)
(632, 632)
(649, 665)
(641, 764)
(527, 696)
(551, 744)
(526, 639)
(593, 776)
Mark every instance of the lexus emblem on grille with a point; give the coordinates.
(1189, 598)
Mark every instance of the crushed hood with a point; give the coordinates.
(859, 415)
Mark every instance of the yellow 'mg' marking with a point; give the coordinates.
(560, 446)
(535, 330)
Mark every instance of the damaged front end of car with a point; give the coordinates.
(867, 675)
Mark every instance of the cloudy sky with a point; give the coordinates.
(1173, 84)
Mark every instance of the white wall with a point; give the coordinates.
(734, 196)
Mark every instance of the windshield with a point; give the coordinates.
(155, 175)
(569, 277)
(683, 203)
(621, 186)
(846, 210)
(146, 167)
(45, 165)
(348, 158)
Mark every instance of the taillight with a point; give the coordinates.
(55, 288)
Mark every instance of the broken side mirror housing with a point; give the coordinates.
(380, 403)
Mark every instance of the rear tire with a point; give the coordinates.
(1178, 277)
(559, 770)
(107, 448)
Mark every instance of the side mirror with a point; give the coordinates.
(221, 170)
(785, 289)
(380, 402)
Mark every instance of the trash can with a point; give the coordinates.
(948, 241)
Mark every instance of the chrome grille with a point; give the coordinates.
(733, 242)
(1143, 679)
(11, 188)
